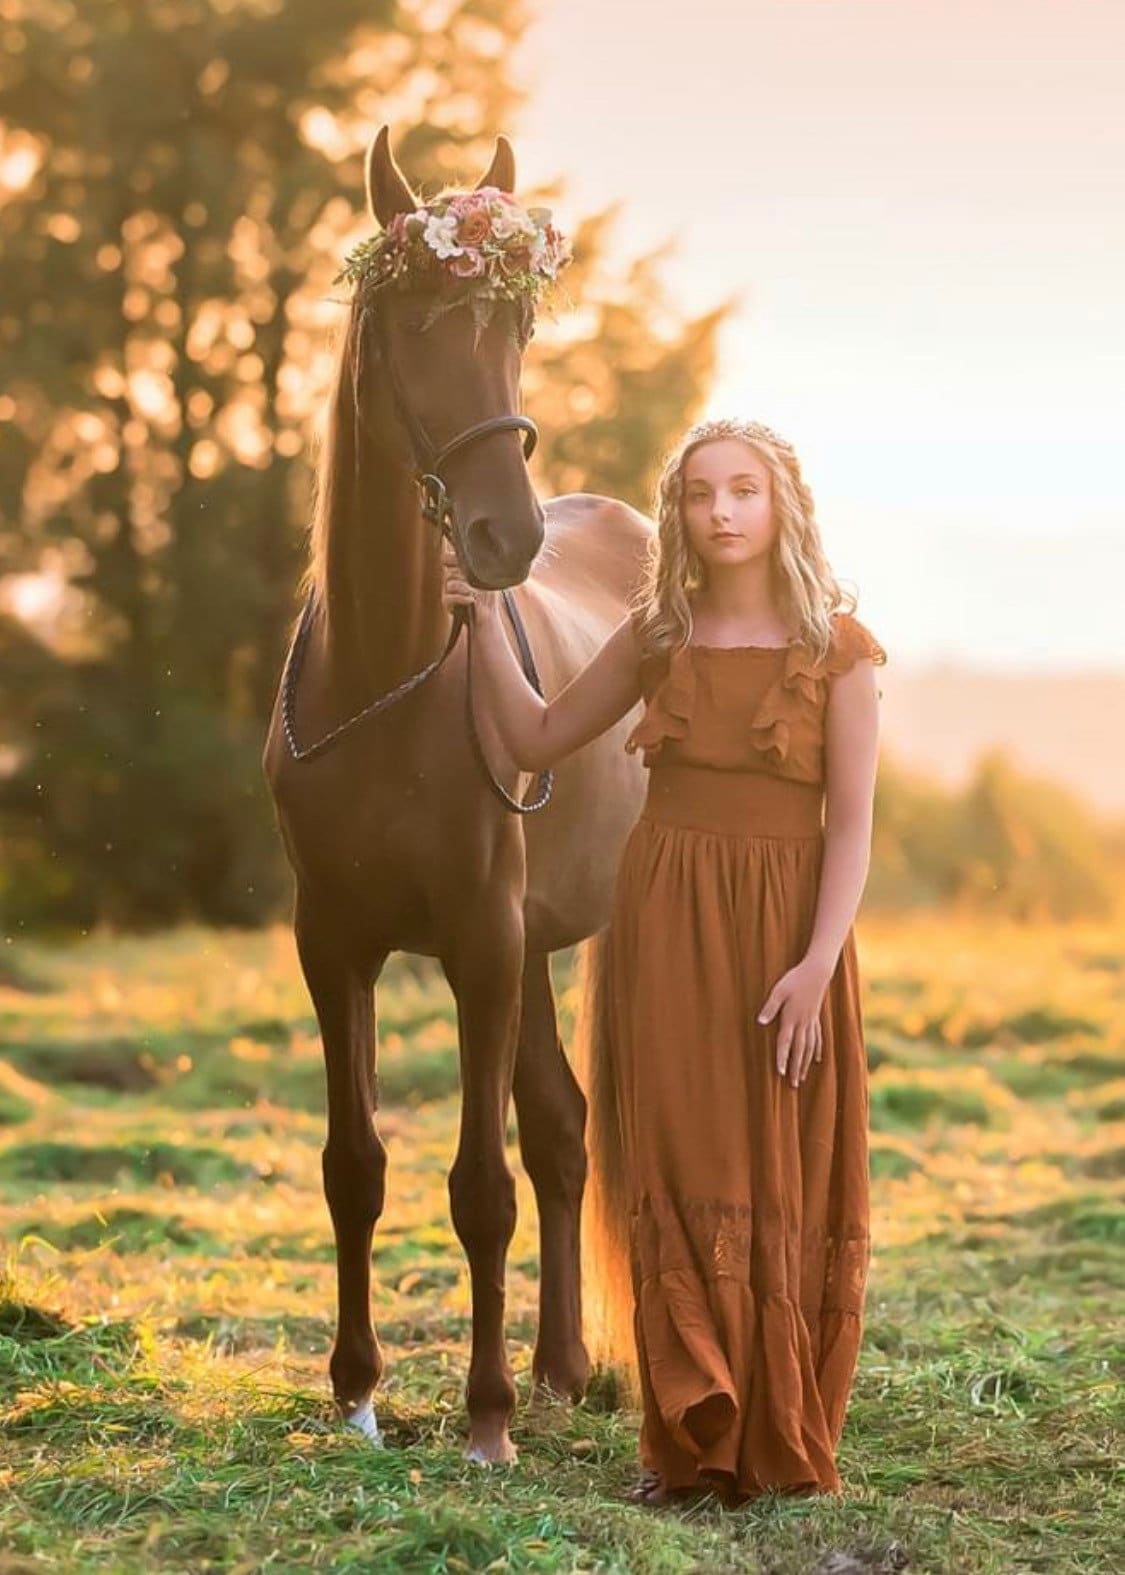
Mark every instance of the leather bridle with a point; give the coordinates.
(437, 508)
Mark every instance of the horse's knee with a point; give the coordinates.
(355, 1181)
(482, 1204)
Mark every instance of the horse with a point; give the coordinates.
(394, 833)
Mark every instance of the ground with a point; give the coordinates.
(166, 1308)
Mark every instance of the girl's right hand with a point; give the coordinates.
(457, 592)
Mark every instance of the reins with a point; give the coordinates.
(437, 508)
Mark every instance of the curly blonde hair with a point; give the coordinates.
(806, 591)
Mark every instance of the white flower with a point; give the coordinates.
(508, 223)
(439, 235)
(546, 258)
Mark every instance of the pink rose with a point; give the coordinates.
(474, 228)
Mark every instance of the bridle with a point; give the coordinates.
(437, 508)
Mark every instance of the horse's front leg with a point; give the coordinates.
(484, 964)
(354, 1161)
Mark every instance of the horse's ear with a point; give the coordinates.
(388, 191)
(502, 170)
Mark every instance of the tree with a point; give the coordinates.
(183, 178)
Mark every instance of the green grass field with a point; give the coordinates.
(167, 1303)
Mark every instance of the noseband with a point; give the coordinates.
(437, 508)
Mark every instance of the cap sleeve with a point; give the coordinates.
(851, 642)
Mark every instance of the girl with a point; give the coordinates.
(729, 1129)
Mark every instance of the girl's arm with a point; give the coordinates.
(535, 732)
(851, 743)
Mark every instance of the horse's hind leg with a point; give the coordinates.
(354, 1160)
(551, 1109)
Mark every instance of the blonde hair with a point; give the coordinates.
(805, 589)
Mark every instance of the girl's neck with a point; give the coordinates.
(743, 610)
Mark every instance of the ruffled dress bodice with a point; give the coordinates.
(746, 707)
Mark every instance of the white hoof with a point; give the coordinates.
(364, 1420)
(477, 1457)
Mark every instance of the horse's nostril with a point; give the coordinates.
(494, 556)
(485, 542)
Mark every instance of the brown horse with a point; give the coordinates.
(397, 842)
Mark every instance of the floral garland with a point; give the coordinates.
(482, 241)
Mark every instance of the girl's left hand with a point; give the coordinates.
(798, 995)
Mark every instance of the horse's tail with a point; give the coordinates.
(606, 1273)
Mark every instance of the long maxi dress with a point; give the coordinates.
(748, 1198)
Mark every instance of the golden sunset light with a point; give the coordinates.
(562, 787)
(919, 207)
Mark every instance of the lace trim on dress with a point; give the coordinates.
(714, 1238)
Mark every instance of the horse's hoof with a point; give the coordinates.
(502, 1453)
(364, 1420)
(560, 1374)
(555, 1388)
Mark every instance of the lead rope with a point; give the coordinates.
(545, 781)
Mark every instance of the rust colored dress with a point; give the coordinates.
(748, 1207)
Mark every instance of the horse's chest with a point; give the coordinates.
(387, 845)
(376, 825)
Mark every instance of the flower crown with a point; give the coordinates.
(482, 239)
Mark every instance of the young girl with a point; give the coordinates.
(737, 1097)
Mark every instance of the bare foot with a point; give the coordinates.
(644, 1485)
(651, 1491)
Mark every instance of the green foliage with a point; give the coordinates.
(1005, 843)
(611, 401)
(162, 288)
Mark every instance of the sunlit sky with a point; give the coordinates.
(920, 206)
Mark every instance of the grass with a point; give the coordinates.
(167, 1302)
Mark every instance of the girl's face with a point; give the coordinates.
(727, 503)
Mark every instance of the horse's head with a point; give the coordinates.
(451, 346)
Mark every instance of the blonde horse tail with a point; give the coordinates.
(606, 1272)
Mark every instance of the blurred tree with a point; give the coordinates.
(612, 398)
(914, 842)
(1005, 842)
(178, 180)
(1030, 848)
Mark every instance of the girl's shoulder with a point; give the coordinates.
(851, 641)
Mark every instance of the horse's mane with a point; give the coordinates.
(336, 459)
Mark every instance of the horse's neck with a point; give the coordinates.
(385, 617)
